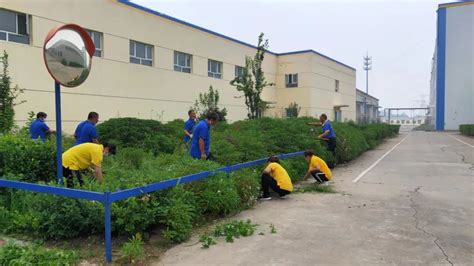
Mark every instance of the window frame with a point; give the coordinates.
(141, 60)
(293, 83)
(16, 33)
(236, 71)
(101, 38)
(217, 75)
(336, 85)
(179, 68)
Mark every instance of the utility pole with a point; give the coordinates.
(367, 67)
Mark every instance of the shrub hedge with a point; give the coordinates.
(467, 130)
(153, 152)
(141, 133)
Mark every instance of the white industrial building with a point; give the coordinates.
(153, 66)
(452, 76)
(367, 108)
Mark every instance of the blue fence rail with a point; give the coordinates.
(107, 198)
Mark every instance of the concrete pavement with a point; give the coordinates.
(415, 207)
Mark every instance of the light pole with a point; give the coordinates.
(367, 67)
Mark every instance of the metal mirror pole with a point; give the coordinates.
(59, 140)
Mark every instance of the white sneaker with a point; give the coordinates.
(265, 199)
(284, 197)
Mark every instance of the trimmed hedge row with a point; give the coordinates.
(467, 130)
(153, 152)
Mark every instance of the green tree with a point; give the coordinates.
(252, 81)
(293, 110)
(8, 96)
(209, 102)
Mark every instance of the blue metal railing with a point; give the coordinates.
(107, 198)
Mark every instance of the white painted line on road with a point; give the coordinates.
(472, 146)
(378, 161)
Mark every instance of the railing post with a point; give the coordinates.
(108, 227)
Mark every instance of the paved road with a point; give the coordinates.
(413, 208)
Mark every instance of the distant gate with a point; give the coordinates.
(416, 116)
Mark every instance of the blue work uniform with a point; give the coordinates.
(85, 132)
(327, 126)
(189, 126)
(331, 138)
(38, 129)
(201, 131)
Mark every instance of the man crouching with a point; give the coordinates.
(317, 168)
(275, 177)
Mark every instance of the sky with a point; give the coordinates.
(398, 35)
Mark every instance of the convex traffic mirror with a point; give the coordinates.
(67, 52)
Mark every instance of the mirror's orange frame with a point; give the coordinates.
(90, 47)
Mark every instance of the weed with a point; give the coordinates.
(207, 241)
(272, 229)
(133, 250)
(314, 188)
(230, 230)
(235, 229)
(14, 254)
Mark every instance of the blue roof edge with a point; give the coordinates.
(151, 11)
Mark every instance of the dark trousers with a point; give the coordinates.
(269, 182)
(332, 145)
(69, 175)
(332, 148)
(319, 176)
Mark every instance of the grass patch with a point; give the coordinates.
(15, 254)
(314, 188)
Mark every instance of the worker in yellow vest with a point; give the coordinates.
(275, 177)
(317, 168)
(84, 156)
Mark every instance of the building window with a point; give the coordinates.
(337, 85)
(14, 27)
(214, 69)
(182, 62)
(141, 53)
(97, 39)
(337, 115)
(291, 80)
(239, 71)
